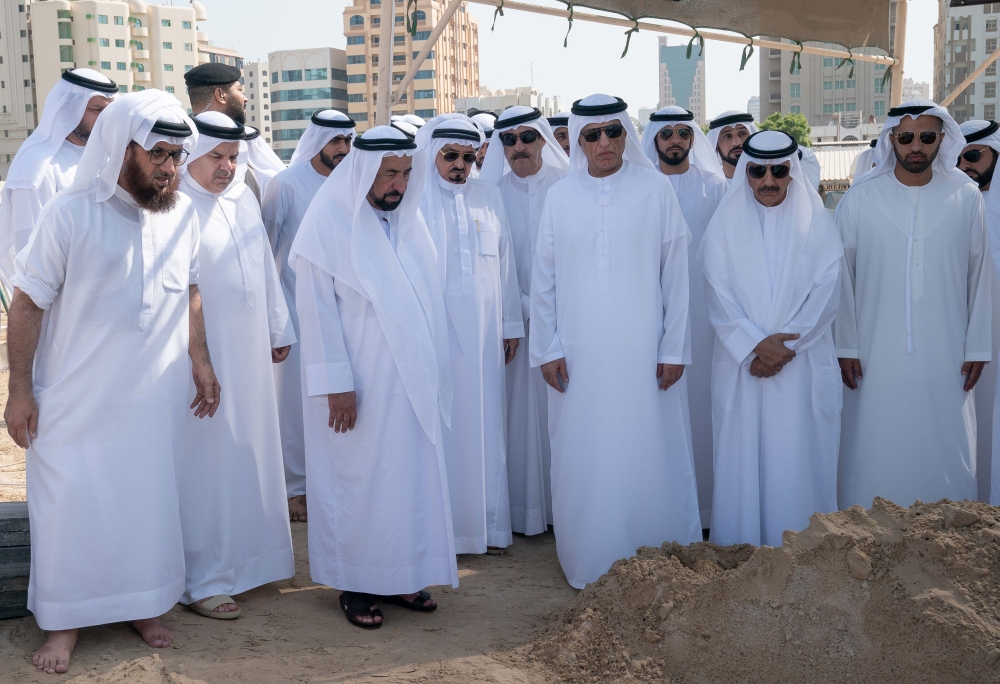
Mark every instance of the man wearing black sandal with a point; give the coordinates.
(376, 383)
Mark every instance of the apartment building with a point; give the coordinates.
(498, 100)
(257, 86)
(753, 107)
(963, 38)
(18, 115)
(301, 82)
(682, 80)
(450, 72)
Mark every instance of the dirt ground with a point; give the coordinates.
(11, 455)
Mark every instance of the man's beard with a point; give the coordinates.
(986, 177)
(915, 167)
(387, 202)
(236, 111)
(146, 195)
(330, 161)
(82, 133)
(673, 161)
(732, 158)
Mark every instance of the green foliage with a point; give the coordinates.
(704, 129)
(795, 125)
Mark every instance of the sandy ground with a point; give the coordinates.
(11, 455)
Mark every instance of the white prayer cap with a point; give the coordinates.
(811, 167)
(884, 156)
(495, 165)
(560, 120)
(133, 117)
(324, 126)
(980, 132)
(731, 118)
(63, 110)
(214, 128)
(600, 108)
(342, 237)
(485, 120)
(703, 153)
(813, 241)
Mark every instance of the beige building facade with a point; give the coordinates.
(450, 72)
(498, 100)
(301, 82)
(257, 87)
(963, 37)
(18, 115)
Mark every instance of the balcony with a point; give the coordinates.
(774, 97)
(141, 77)
(140, 54)
(774, 75)
(139, 31)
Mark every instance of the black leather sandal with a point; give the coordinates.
(355, 605)
(419, 603)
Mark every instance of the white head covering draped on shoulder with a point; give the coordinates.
(600, 108)
(702, 151)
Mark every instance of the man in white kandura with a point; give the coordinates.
(726, 133)
(678, 148)
(104, 295)
(771, 257)
(913, 329)
(376, 367)
(560, 129)
(609, 327)
(468, 223)
(46, 162)
(229, 472)
(525, 162)
(325, 143)
(978, 162)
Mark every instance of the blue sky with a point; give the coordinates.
(524, 43)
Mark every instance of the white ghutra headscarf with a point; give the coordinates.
(729, 119)
(600, 108)
(495, 165)
(324, 126)
(703, 153)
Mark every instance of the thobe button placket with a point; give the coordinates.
(240, 237)
(148, 270)
(603, 275)
(463, 242)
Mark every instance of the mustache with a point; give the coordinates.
(769, 188)
(522, 155)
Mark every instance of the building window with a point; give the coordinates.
(838, 106)
(424, 73)
(356, 97)
(852, 106)
(423, 94)
(852, 83)
(309, 94)
(251, 96)
(267, 118)
(338, 75)
(838, 85)
(422, 35)
(289, 134)
(187, 68)
(399, 40)
(106, 65)
(168, 67)
(828, 108)
(879, 86)
(169, 89)
(122, 89)
(294, 75)
(356, 78)
(991, 45)
(168, 46)
(399, 20)
(795, 109)
(102, 18)
(186, 25)
(991, 24)
(64, 14)
(356, 40)
(119, 42)
(376, 22)
(121, 66)
(360, 116)
(165, 22)
(989, 112)
(356, 20)
(65, 30)
(879, 108)
(399, 59)
(103, 42)
(355, 59)
(188, 47)
(119, 21)
(264, 96)
(991, 70)
(375, 41)
(827, 85)
(424, 113)
(65, 54)
(795, 90)
(828, 62)
(315, 74)
(990, 89)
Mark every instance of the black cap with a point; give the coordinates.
(730, 120)
(599, 110)
(686, 116)
(211, 74)
(984, 133)
(513, 121)
(220, 132)
(83, 82)
(874, 142)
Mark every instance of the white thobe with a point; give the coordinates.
(111, 376)
(232, 490)
(483, 303)
(26, 203)
(987, 423)
(379, 518)
(777, 438)
(909, 430)
(285, 202)
(609, 292)
(699, 193)
(528, 452)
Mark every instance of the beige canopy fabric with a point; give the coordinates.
(850, 23)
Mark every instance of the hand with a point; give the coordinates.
(759, 369)
(850, 372)
(668, 374)
(207, 388)
(21, 415)
(343, 410)
(510, 348)
(772, 350)
(553, 371)
(279, 354)
(970, 369)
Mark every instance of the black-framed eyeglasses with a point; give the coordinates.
(614, 130)
(468, 157)
(758, 171)
(527, 137)
(972, 156)
(683, 133)
(926, 137)
(158, 156)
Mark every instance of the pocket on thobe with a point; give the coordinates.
(489, 243)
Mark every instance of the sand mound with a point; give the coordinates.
(880, 595)
(148, 670)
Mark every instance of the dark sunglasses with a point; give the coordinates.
(683, 133)
(468, 157)
(972, 156)
(758, 171)
(527, 137)
(611, 130)
(906, 137)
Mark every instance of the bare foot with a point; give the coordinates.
(297, 508)
(53, 656)
(224, 608)
(153, 632)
